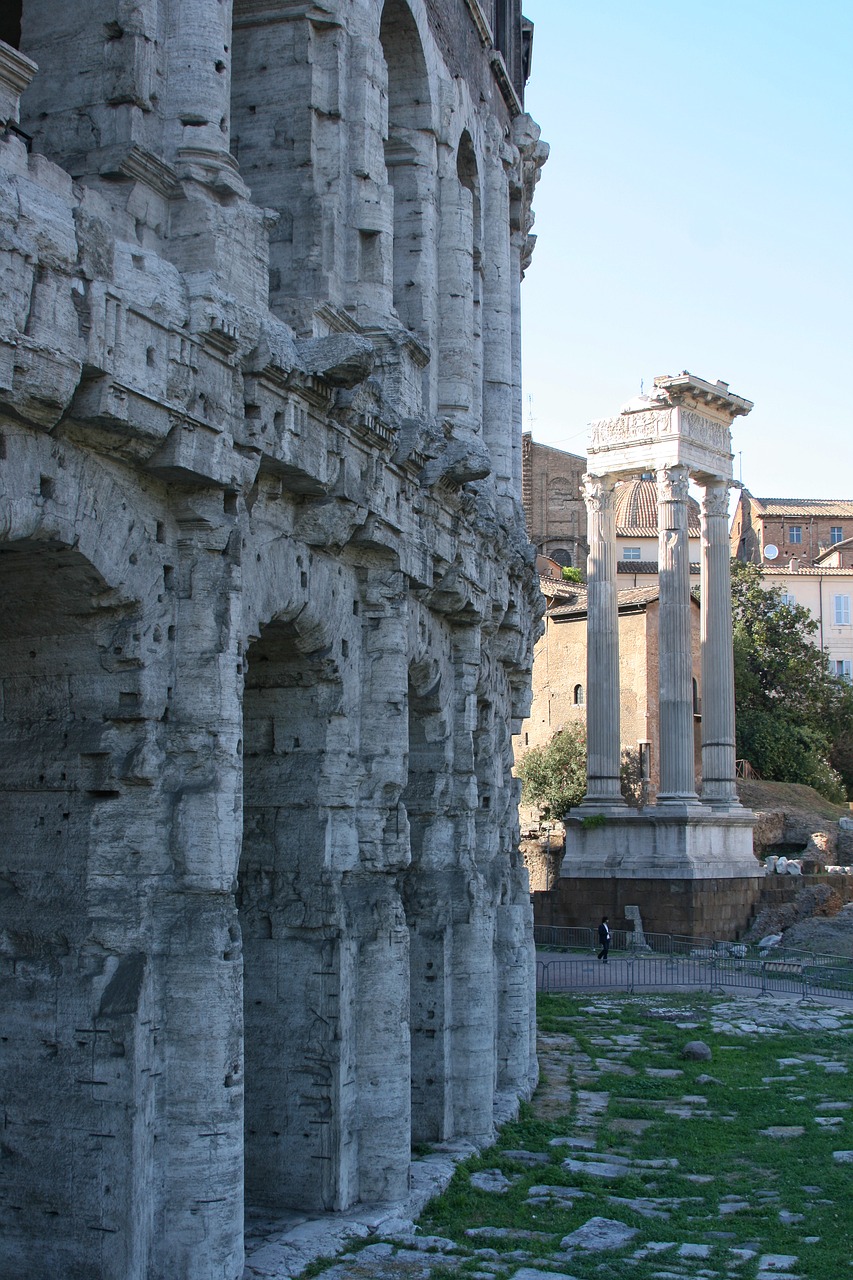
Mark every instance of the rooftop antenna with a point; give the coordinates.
(530, 417)
(740, 464)
(641, 386)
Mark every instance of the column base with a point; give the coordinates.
(674, 840)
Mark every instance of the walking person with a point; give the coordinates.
(604, 939)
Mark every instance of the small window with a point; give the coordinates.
(843, 668)
(578, 695)
(695, 696)
(836, 533)
(631, 553)
(795, 533)
(562, 556)
(787, 598)
(841, 610)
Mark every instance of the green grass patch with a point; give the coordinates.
(731, 1182)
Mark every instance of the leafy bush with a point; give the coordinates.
(553, 778)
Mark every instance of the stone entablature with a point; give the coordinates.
(685, 422)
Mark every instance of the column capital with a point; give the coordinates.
(673, 483)
(715, 498)
(598, 492)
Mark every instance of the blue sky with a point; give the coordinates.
(697, 213)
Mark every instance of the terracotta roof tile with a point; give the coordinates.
(806, 506)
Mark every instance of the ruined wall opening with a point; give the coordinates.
(297, 1072)
(410, 163)
(425, 889)
(460, 390)
(76, 1059)
(10, 22)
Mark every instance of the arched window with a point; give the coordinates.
(562, 556)
(579, 695)
(460, 391)
(409, 161)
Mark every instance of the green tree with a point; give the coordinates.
(793, 714)
(553, 778)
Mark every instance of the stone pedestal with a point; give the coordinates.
(692, 874)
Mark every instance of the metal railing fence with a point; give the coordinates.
(672, 961)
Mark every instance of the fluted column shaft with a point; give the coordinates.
(718, 681)
(677, 775)
(602, 649)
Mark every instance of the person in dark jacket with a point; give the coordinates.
(604, 939)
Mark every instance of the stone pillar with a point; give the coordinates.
(677, 772)
(718, 682)
(197, 101)
(602, 649)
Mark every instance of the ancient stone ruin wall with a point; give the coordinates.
(267, 615)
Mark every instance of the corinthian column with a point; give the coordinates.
(677, 780)
(602, 647)
(718, 681)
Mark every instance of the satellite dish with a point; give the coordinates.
(771, 551)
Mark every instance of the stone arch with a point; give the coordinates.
(297, 793)
(77, 986)
(410, 161)
(429, 881)
(460, 377)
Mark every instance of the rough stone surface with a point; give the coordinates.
(598, 1235)
(267, 621)
(698, 1051)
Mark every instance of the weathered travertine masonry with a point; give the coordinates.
(267, 612)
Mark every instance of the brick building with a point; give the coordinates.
(553, 506)
(802, 528)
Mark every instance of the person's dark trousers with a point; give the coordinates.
(602, 955)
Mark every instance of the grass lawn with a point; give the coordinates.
(693, 1171)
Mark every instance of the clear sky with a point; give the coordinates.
(696, 212)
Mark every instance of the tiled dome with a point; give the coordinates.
(636, 503)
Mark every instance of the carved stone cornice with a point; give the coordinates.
(16, 72)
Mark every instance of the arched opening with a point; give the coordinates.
(410, 164)
(298, 1092)
(425, 889)
(10, 22)
(461, 288)
(562, 556)
(579, 695)
(78, 1061)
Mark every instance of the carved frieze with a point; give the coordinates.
(707, 431)
(643, 427)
